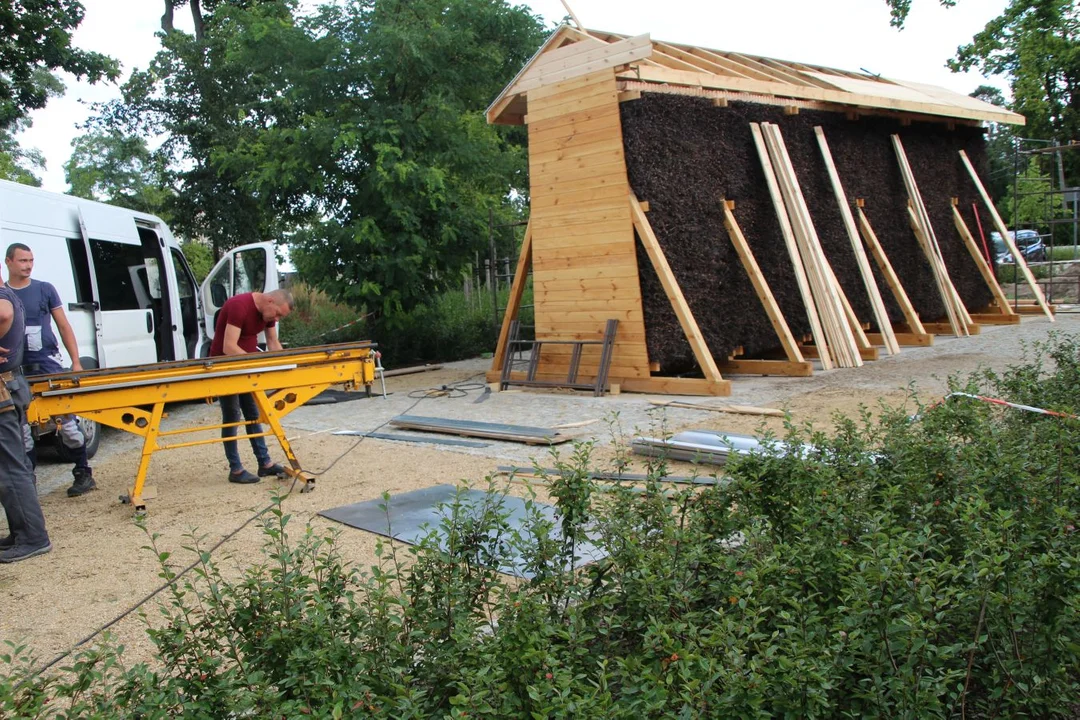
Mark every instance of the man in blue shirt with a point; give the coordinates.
(43, 307)
(27, 537)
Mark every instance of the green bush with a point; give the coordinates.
(1011, 274)
(903, 567)
(451, 327)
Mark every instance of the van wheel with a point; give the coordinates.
(91, 431)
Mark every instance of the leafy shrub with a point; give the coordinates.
(902, 567)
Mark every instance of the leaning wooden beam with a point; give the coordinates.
(761, 286)
(827, 291)
(1000, 225)
(792, 247)
(674, 292)
(891, 278)
(924, 233)
(877, 303)
(513, 302)
(980, 261)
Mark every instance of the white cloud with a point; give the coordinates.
(847, 34)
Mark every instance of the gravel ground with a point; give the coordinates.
(99, 561)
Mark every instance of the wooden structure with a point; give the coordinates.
(586, 224)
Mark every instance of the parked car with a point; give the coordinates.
(1028, 242)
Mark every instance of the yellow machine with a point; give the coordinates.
(133, 398)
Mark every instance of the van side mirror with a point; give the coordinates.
(218, 294)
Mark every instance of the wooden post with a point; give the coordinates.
(674, 292)
(513, 302)
(761, 286)
(891, 278)
(792, 247)
(876, 301)
(984, 269)
(1000, 225)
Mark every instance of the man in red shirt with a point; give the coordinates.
(236, 332)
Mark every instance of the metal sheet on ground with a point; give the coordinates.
(414, 438)
(472, 428)
(410, 517)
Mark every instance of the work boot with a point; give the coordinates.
(7, 541)
(24, 552)
(243, 477)
(271, 469)
(84, 482)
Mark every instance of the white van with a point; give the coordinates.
(128, 291)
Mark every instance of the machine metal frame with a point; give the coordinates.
(133, 399)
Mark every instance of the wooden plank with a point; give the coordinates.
(585, 295)
(868, 353)
(696, 62)
(604, 156)
(676, 386)
(944, 328)
(924, 233)
(573, 137)
(980, 262)
(733, 409)
(549, 240)
(590, 150)
(891, 278)
(727, 66)
(996, 319)
(761, 286)
(645, 73)
(541, 278)
(1018, 257)
(614, 304)
(580, 185)
(575, 65)
(674, 292)
(827, 293)
(587, 256)
(608, 217)
(877, 303)
(513, 303)
(591, 198)
(661, 56)
(603, 119)
(780, 368)
(576, 119)
(791, 244)
(1031, 309)
(558, 175)
(603, 97)
(593, 316)
(778, 75)
(910, 339)
(601, 88)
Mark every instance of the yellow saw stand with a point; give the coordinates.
(133, 398)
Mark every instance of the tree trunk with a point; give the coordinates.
(167, 19)
(196, 16)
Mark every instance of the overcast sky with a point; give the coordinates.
(846, 34)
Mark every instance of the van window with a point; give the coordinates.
(83, 289)
(249, 271)
(183, 279)
(121, 277)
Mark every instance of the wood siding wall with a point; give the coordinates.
(584, 261)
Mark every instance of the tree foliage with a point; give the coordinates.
(35, 40)
(387, 141)
(17, 163)
(117, 169)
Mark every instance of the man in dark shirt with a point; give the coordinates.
(43, 307)
(18, 491)
(236, 332)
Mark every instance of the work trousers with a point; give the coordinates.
(71, 435)
(18, 489)
(231, 408)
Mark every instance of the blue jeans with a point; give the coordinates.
(231, 407)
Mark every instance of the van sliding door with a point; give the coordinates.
(124, 283)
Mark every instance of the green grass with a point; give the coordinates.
(1067, 252)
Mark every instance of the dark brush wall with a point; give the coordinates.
(683, 155)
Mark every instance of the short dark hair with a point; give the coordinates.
(16, 246)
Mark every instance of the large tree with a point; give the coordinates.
(35, 41)
(386, 142)
(119, 170)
